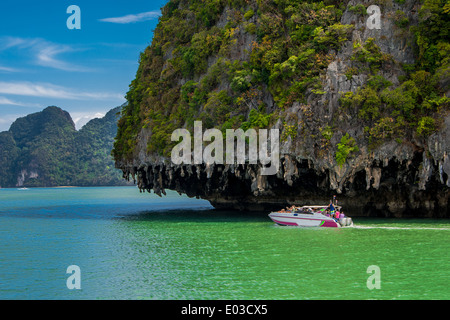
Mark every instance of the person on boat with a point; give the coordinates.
(337, 215)
(332, 210)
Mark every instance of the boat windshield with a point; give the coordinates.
(303, 211)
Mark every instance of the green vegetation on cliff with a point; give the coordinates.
(43, 149)
(212, 60)
(242, 63)
(416, 105)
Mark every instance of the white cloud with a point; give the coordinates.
(7, 119)
(8, 69)
(9, 102)
(47, 90)
(44, 53)
(133, 18)
(46, 56)
(11, 42)
(6, 101)
(80, 119)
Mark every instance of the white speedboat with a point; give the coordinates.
(312, 216)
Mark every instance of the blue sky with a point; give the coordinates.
(85, 72)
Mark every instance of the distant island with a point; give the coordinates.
(44, 149)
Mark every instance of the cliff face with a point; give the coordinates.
(359, 97)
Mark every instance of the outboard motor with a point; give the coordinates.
(346, 222)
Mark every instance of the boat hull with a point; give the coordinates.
(303, 220)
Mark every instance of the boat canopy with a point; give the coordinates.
(321, 207)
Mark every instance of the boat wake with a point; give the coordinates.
(399, 228)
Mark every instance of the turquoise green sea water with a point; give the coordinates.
(139, 246)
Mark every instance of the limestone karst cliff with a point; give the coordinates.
(357, 89)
